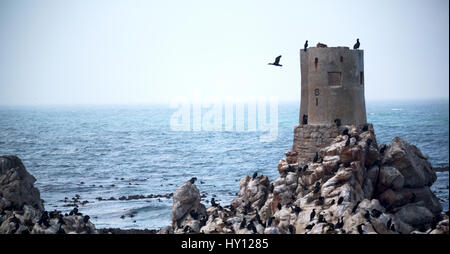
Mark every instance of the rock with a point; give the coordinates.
(390, 177)
(16, 185)
(415, 215)
(185, 199)
(411, 163)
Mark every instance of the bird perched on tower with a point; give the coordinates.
(306, 45)
(357, 44)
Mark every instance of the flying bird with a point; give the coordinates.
(356, 46)
(277, 62)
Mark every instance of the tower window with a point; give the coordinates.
(361, 78)
(334, 79)
(316, 61)
(342, 59)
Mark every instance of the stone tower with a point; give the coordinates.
(332, 86)
(332, 97)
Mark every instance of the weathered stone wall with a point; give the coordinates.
(309, 139)
(332, 86)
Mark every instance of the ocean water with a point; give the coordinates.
(114, 151)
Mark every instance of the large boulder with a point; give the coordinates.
(16, 185)
(411, 163)
(185, 199)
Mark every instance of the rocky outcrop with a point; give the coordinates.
(351, 186)
(22, 210)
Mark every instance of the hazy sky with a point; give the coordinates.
(120, 52)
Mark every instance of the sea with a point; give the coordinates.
(93, 153)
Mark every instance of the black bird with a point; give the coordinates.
(291, 229)
(305, 167)
(347, 142)
(365, 127)
(360, 230)
(321, 200)
(382, 148)
(277, 61)
(86, 218)
(290, 168)
(316, 157)
(243, 223)
(258, 219)
(392, 227)
(213, 202)
(389, 223)
(367, 215)
(310, 226)
(248, 206)
(322, 219)
(337, 122)
(251, 227)
(193, 214)
(317, 187)
(345, 132)
(355, 207)
(279, 206)
(339, 224)
(187, 229)
(255, 175)
(357, 44)
(61, 230)
(193, 179)
(296, 209)
(332, 202)
(305, 119)
(376, 213)
(340, 200)
(330, 225)
(312, 215)
(269, 222)
(271, 188)
(306, 45)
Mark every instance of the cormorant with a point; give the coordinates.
(340, 200)
(193, 179)
(337, 122)
(277, 61)
(255, 175)
(357, 44)
(306, 45)
(291, 229)
(310, 226)
(312, 215)
(316, 157)
(213, 202)
(355, 207)
(376, 213)
(279, 206)
(317, 187)
(360, 230)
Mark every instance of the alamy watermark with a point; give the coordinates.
(227, 114)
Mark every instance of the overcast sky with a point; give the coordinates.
(134, 52)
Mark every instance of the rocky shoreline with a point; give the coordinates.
(351, 186)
